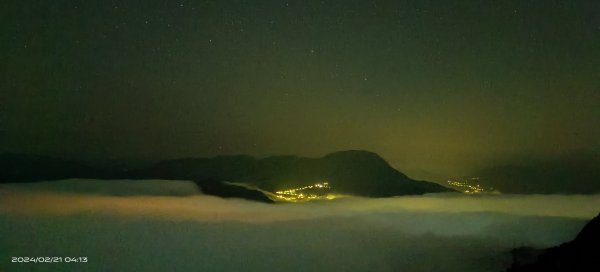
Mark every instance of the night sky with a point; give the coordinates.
(435, 87)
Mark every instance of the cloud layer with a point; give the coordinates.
(126, 229)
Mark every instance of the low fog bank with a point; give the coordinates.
(183, 200)
(158, 232)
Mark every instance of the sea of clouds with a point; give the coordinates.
(155, 225)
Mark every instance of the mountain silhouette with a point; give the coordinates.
(226, 190)
(16, 168)
(576, 174)
(581, 254)
(352, 172)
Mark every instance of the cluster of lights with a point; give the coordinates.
(323, 185)
(306, 193)
(467, 187)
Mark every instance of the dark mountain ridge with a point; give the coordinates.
(353, 172)
(581, 254)
(30, 168)
(576, 174)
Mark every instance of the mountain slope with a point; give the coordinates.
(30, 168)
(577, 174)
(354, 172)
(349, 172)
(581, 254)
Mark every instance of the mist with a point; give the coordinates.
(158, 225)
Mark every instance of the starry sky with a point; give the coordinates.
(438, 88)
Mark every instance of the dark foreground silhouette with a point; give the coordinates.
(581, 254)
